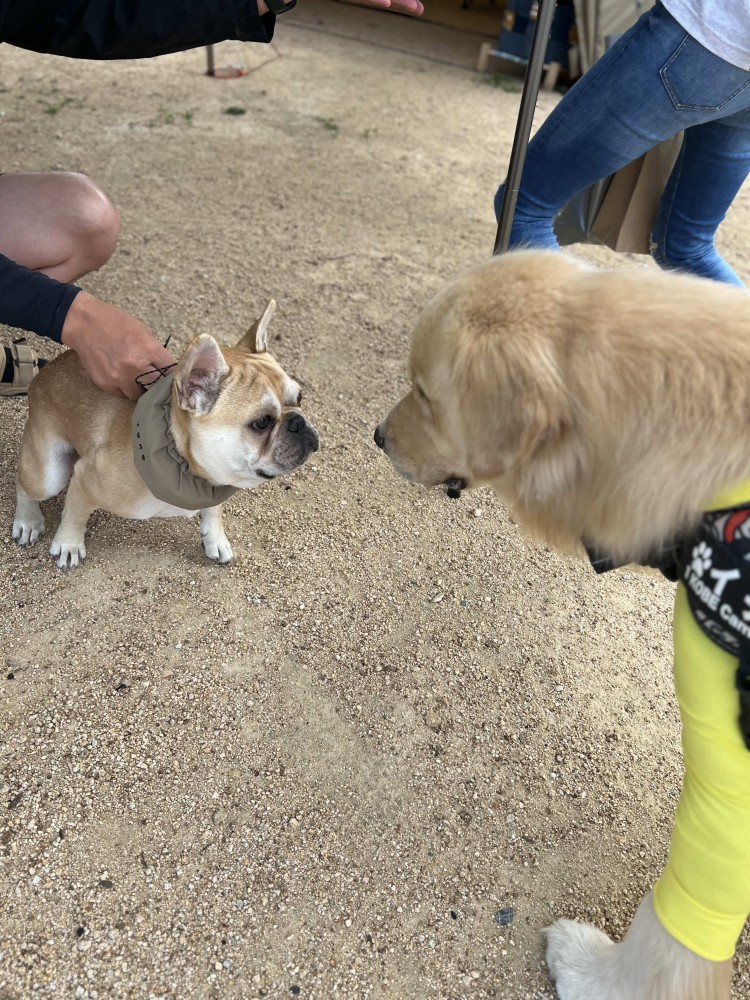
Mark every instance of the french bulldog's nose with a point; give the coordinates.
(296, 424)
(379, 438)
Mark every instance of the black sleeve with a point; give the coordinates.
(32, 301)
(129, 29)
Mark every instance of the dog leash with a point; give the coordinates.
(154, 374)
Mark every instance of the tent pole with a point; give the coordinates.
(531, 84)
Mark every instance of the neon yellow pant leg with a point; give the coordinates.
(703, 897)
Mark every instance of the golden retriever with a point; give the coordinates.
(608, 407)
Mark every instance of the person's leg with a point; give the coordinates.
(59, 223)
(713, 164)
(638, 94)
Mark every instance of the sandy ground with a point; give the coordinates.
(340, 766)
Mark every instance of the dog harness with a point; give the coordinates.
(163, 469)
(715, 568)
(703, 897)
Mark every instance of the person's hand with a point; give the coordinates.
(405, 6)
(114, 347)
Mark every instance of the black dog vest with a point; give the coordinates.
(713, 562)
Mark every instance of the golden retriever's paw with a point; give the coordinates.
(574, 952)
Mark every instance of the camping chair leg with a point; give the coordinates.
(209, 60)
(530, 93)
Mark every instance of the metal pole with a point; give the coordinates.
(531, 84)
(210, 60)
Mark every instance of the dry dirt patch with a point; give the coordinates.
(324, 770)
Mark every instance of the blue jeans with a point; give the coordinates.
(656, 81)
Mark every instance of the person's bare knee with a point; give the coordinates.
(62, 224)
(94, 224)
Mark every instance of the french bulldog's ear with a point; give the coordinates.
(199, 376)
(256, 338)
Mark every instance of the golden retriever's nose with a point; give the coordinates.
(379, 438)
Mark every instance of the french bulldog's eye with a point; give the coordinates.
(262, 423)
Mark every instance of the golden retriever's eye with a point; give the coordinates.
(299, 399)
(418, 392)
(261, 424)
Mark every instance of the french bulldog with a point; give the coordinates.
(225, 419)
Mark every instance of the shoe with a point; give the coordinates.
(20, 368)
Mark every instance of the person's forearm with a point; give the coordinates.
(132, 29)
(31, 301)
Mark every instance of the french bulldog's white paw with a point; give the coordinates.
(28, 529)
(68, 555)
(217, 547)
(572, 953)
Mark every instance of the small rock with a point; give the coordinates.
(505, 915)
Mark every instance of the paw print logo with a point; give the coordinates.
(701, 559)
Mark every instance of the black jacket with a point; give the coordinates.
(129, 29)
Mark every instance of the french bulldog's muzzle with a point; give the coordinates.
(297, 439)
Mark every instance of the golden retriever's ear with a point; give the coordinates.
(513, 401)
(546, 427)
